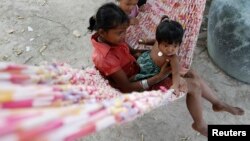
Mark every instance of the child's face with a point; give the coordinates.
(128, 5)
(115, 36)
(168, 49)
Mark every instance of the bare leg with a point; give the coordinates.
(217, 104)
(194, 106)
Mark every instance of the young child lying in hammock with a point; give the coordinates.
(112, 57)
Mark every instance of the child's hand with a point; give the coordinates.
(141, 41)
(176, 90)
(181, 87)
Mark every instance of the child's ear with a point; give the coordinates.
(102, 32)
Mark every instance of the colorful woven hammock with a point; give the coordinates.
(57, 102)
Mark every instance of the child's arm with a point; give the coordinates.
(175, 73)
(123, 83)
(147, 41)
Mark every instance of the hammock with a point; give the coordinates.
(57, 102)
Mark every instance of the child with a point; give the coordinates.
(141, 2)
(112, 57)
(131, 8)
(169, 37)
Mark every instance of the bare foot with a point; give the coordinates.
(201, 129)
(230, 109)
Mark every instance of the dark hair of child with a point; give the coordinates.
(141, 2)
(169, 31)
(108, 16)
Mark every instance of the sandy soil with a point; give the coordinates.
(42, 30)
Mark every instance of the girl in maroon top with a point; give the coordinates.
(113, 58)
(111, 55)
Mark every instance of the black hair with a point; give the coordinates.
(108, 16)
(141, 2)
(169, 31)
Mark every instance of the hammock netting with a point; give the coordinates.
(58, 102)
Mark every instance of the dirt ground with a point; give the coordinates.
(45, 30)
